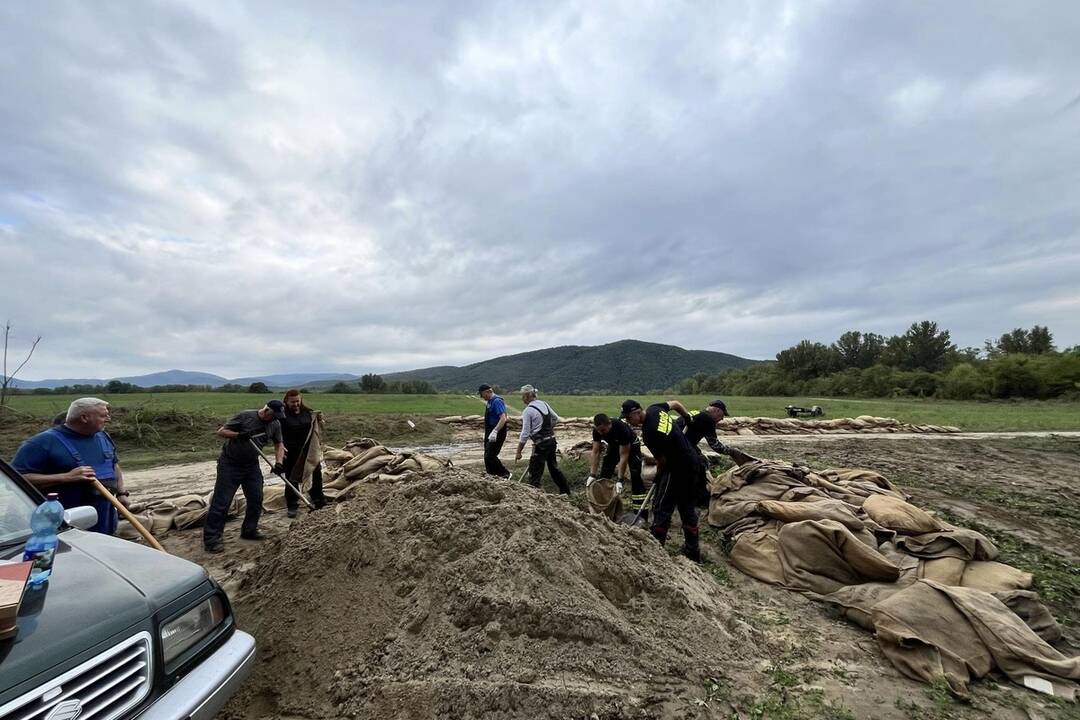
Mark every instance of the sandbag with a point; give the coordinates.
(995, 577)
(817, 509)
(900, 515)
(822, 556)
(946, 570)
(757, 553)
(603, 500)
(952, 542)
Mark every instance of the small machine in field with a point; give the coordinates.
(794, 411)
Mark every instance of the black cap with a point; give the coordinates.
(278, 408)
(483, 387)
(719, 404)
(628, 407)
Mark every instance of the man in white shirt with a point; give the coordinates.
(538, 424)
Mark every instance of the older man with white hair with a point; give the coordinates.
(538, 424)
(67, 458)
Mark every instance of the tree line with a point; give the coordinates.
(921, 362)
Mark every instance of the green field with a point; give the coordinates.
(973, 416)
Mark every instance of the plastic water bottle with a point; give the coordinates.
(41, 547)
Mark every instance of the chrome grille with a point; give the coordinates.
(102, 688)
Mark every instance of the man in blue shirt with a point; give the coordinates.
(67, 458)
(495, 420)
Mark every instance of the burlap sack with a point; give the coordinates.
(816, 509)
(903, 517)
(995, 577)
(603, 500)
(822, 556)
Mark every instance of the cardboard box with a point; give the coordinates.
(12, 583)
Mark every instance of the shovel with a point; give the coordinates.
(629, 518)
(291, 486)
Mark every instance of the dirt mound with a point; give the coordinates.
(460, 596)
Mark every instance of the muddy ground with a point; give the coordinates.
(761, 652)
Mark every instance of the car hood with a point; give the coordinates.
(100, 586)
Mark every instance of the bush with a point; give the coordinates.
(964, 382)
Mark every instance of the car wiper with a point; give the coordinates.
(11, 543)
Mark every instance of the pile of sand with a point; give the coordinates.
(751, 425)
(460, 596)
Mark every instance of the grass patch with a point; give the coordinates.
(974, 416)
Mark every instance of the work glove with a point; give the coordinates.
(618, 488)
(493, 435)
(589, 481)
(278, 469)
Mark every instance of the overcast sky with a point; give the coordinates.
(248, 188)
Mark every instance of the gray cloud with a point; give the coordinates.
(256, 187)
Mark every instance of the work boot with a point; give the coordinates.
(692, 553)
(660, 533)
(215, 547)
(691, 545)
(292, 512)
(255, 535)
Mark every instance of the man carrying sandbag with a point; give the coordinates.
(676, 470)
(296, 427)
(621, 460)
(238, 467)
(538, 424)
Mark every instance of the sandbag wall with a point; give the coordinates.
(750, 425)
(934, 594)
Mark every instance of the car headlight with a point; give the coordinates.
(181, 634)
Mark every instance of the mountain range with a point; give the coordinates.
(188, 377)
(630, 366)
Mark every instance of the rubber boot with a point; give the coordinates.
(691, 545)
(660, 533)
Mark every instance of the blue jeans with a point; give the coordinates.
(231, 477)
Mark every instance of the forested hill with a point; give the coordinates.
(626, 366)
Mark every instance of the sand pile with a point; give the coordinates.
(751, 425)
(459, 596)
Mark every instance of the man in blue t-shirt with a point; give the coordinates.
(67, 458)
(495, 420)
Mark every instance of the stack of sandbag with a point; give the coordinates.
(161, 515)
(934, 594)
(365, 460)
(750, 425)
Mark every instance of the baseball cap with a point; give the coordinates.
(278, 408)
(719, 404)
(629, 406)
(483, 387)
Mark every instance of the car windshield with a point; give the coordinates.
(15, 509)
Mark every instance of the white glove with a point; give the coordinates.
(493, 435)
(589, 481)
(618, 488)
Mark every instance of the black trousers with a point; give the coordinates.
(674, 490)
(492, 448)
(637, 485)
(544, 453)
(231, 477)
(701, 481)
(292, 500)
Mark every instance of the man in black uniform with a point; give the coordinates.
(676, 469)
(703, 425)
(238, 467)
(623, 457)
(295, 430)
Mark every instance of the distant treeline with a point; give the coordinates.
(370, 384)
(922, 362)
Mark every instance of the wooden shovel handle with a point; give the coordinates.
(150, 539)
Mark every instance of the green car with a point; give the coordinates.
(118, 631)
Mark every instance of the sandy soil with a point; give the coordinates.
(467, 597)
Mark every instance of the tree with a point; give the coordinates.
(372, 383)
(258, 387)
(807, 360)
(926, 347)
(858, 350)
(1040, 340)
(5, 379)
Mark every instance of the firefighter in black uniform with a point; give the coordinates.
(676, 470)
(623, 456)
(703, 425)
